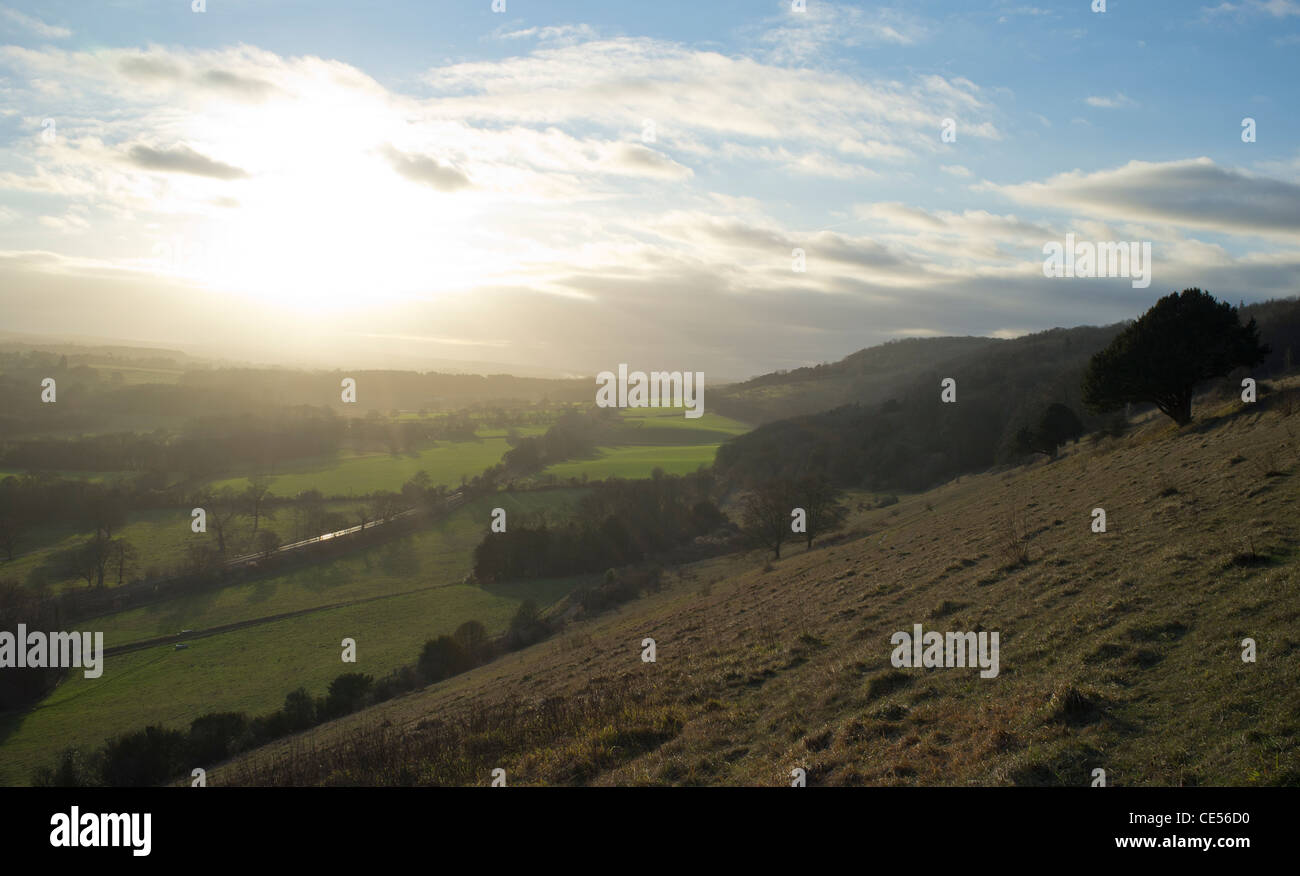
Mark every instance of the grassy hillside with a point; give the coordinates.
(1119, 650)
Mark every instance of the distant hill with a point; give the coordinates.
(875, 420)
(867, 376)
(899, 435)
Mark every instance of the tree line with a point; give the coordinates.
(619, 522)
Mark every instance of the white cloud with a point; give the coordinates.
(1193, 193)
(1115, 102)
(1275, 8)
(35, 25)
(570, 33)
(798, 37)
(517, 201)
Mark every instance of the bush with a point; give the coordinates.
(526, 627)
(472, 638)
(442, 658)
(215, 736)
(1057, 425)
(265, 728)
(347, 693)
(299, 710)
(398, 681)
(147, 757)
(72, 770)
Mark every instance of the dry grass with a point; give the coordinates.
(1119, 650)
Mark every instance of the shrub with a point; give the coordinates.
(472, 638)
(72, 770)
(147, 757)
(442, 658)
(299, 710)
(526, 627)
(347, 693)
(398, 681)
(215, 736)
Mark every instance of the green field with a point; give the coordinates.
(665, 440)
(391, 598)
(160, 537)
(438, 555)
(632, 461)
(351, 474)
(675, 420)
(96, 476)
(251, 669)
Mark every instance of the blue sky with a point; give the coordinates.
(576, 184)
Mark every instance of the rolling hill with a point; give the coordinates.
(1120, 650)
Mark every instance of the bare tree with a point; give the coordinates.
(223, 507)
(386, 506)
(267, 543)
(766, 513)
(105, 511)
(255, 497)
(123, 556)
(821, 501)
(12, 527)
(310, 512)
(91, 560)
(200, 557)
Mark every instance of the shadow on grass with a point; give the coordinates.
(543, 591)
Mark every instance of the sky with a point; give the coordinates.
(726, 187)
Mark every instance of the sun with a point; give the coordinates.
(321, 221)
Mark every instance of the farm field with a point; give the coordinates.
(361, 474)
(663, 440)
(635, 461)
(160, 536)
(709, 427)
(402, 593)
(438, 555)
(96, 476)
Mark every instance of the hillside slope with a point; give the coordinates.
(1119, 650)
(868, 376)
(1044, 365)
